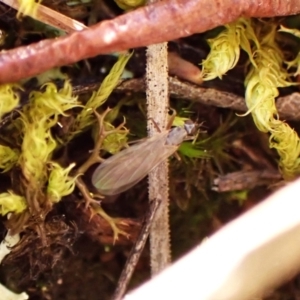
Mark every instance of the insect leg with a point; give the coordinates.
(155, 124)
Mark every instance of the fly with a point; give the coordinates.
(125, 169)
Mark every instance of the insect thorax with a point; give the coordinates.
(179, 134)
(176, 136)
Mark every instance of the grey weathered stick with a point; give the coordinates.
(158, 106)
(287, 106)
(136, 251)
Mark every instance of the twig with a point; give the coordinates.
(192, 92)
(245, 180)
(157, 109)
(98, 229)
(136, 252)
(90, 202)
(51, 17)
(287, 106)
(160, 22)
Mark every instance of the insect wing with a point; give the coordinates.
(123, 170)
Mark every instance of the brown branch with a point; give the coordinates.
(162, 21)
(245, 180)
(287, 106)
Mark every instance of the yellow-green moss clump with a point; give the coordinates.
(28, 7)
(266, 73)
(130, 4)
(29, 144)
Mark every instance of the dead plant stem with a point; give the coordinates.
(157, 106)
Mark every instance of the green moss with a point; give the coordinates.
(8, 158)
(296, 61)
(60, 184)
(86, 117)
(130, 4)
(9, 98)
(28, 7)
(262, 82)
(225, 48)
(37, 119)
(114, 142)
(32, 144)
(37, 148)
(10, 202)
(266, 74)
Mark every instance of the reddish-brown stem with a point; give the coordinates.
(162, 21)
